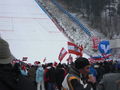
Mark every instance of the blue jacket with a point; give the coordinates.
(93, 71)
(39, 74)
(24, 72)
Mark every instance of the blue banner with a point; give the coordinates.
(104, 47)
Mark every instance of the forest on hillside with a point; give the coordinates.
(103, 15)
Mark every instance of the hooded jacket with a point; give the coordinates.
(39, 74)
(74, 81)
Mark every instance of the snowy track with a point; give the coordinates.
(29, 31)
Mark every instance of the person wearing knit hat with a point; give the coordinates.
(5, 54)
(10, 77)
(81, 62)
(78, 73)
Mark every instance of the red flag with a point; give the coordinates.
(36, 62)
(62, 54)
(55, 63)
(24, 58)
(74, 49)
(81, 51)
(96, 41)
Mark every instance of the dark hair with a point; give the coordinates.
(81, 62)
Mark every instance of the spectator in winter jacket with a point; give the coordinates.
(10, 77)
(40, 77)
(46, 80)
(32, 73)
(23, 70)
(77, 78)
(60, 74)
(93, 74)
(51, 77)
(110, 81)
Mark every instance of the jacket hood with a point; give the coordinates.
(74, 71)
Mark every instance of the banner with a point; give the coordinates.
(104, 48)
(94, 59)
(97, 58)
(24, 58)
(96, 41)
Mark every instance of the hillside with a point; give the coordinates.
(74, 32)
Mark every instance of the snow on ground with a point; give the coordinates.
(79, 36)
(74, 32)
(29, 31)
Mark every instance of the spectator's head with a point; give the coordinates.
(82, 64)
(39, 65)
(23, 67)
(5, 54)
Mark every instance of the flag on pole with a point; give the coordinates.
(44, 59)
(74, 49)
(96, 42)
(62, 54)
(36, 63)
(24, 58)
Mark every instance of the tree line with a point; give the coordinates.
(104, 15)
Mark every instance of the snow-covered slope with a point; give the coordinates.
(73, 31)
(29, 31)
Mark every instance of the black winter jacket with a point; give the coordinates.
(76, 81)
(13, 80)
